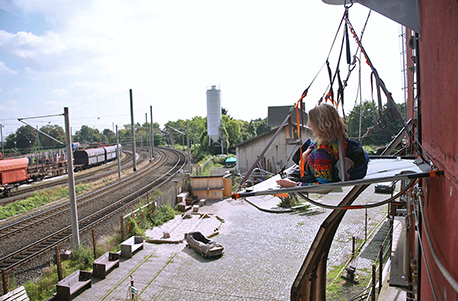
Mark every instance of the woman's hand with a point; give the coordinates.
(286, 183)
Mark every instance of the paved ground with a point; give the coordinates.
(263, 252)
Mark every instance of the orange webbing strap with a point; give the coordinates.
(301, 160)
(282, 195)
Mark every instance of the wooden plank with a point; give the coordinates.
(16, 295)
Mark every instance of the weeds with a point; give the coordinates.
(288, 201)
(38, 199)
(147, 218)
(45, 287)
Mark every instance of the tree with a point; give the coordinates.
(84, 135)
(55, 131)
(26, 138)
(10, 143)
(108, 136)
(262, 127)
(381, 135)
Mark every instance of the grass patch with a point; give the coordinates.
(81, 259)
(146, 218)
(38, 199)
(288, 201)
(333, 288)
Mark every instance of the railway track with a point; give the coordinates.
(80, 177)
(26, 253)
(43, 216)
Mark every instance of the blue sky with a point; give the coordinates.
(86, 55)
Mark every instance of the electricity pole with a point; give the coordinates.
(188, 146)
(71, 182)
(118, 153)
(134, 147)
(152, 131)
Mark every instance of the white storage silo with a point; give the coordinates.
(213, 112)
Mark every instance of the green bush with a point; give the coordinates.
(134, 228)
(288, 201)
(370, 149)
(162, 215)
(45, 286)
(82, 258)
(220, 160)
(146, 218)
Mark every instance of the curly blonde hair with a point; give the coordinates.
(326, 124)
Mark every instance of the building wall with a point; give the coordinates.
(277, 114)
(439, 114)
(275, 156)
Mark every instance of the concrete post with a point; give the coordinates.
(152, 132)
(132, 125)
(118, 153)
(71, 182)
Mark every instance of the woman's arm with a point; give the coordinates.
(285, 183)
(306, 154)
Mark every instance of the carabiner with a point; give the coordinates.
(348, 6)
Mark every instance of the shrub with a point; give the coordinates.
(288, 201)
(162, 215)
(82, 258)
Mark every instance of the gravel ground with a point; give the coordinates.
(263, 253)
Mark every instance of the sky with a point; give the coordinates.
(86, 55)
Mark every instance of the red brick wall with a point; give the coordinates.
(439, 105)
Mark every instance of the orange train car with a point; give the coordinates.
(12, 173)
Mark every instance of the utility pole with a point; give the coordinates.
(189, 149)
(152, 132)
(118, 153)
(134, 147)
(146, 132)
(71, 182)
(194, 140)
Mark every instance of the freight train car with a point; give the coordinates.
(110, 152)
(47, 164)
(85, 158)
(38, 166)
(13, 172)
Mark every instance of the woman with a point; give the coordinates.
(321, 156)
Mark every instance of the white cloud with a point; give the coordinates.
(261, 52)
(5, 69)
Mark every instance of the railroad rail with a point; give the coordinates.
(29, 252)
(90, 175)
(85, 200)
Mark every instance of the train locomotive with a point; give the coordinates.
(38, 166)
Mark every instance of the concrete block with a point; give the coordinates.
(182, 207)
